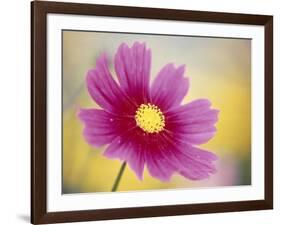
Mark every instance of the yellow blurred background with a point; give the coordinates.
(219, 69)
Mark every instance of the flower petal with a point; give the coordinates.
(197, 163)
(126, 149)
(132, 66)
(193, 122)
(104, 89)
(169, 87)
(102, 127)
(138, 149)
(157, 164)
(189, 161)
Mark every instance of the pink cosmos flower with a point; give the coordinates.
(146, 125)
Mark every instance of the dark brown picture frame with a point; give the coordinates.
(39, 11)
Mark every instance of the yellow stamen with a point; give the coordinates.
(150, 118)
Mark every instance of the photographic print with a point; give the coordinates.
(151, 112)
(145, 112)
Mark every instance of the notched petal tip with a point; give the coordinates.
(90, 79)
(181, 70)
(108, 155)
(102, 60)
(139, 174)
(217, 112)
(214, 113)
(139, 44)
(78, 113)
(89, 74)
(140, 177)
(163, 178)
(166, 179)
(211, 156)
(215, 158)
(186, 83)
(81, 114)
(123, 45)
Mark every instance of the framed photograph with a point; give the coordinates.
(144, 112)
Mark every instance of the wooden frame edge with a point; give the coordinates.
(38, 112)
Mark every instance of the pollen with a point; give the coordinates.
(150, 118)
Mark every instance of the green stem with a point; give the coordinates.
(118, 178)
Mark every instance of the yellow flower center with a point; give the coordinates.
(150, 118)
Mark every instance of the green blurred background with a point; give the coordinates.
(218, 68)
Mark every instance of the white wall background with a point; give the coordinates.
(15, 111)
